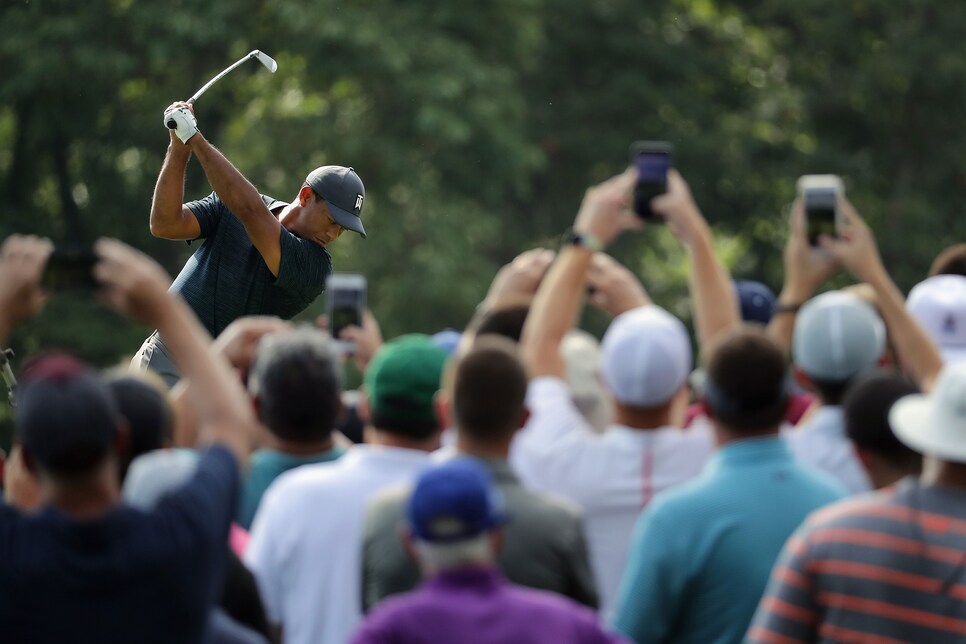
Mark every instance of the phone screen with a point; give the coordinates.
(70, 269)
(820, 212)
(652, 162)
(347, 306)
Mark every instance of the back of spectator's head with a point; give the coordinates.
(452, 509)
(757, 301)
(866, 405)
(645, 357)
(488, 390)
(506, 321)
(67, 416)
(939, 304)
(745, 385)
(144, 405)
(837, 336)
(295, 380)
(581, 354)
(401, 383)
(951, 261)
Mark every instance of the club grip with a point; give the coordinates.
(171, 124)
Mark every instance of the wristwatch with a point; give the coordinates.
(587, 240)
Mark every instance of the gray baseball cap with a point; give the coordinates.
(342, 189)
(837, 335)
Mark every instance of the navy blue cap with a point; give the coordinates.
(342, 189)
(453, 501)
(756, 300)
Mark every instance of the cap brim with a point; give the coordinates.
(915, 422)
(346, 219)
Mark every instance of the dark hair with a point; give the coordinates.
(830, 392)
(866, 406)
(506, 321)
(489, 389)
(745, 385)
(297, 379)
(951, 261)
(148, 413)
(418, 430)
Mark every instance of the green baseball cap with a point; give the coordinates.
(403, 377)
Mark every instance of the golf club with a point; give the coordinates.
(262, 57)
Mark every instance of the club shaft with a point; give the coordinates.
(221, 75)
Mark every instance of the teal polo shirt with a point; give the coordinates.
(266, 465)
(702, 552)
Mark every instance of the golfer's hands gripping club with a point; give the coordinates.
(180, 117)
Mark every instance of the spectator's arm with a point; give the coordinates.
(603, 215)
(518, 281)
(712, 293)
(614, 288)
(137, 286)
(22, 262)
(806, 269)
(856, 249)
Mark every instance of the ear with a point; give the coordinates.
(362, 407)
(524, 417)
(28, 460)
(407, 539)
(306, 196)
(443, 409)
(122, 442)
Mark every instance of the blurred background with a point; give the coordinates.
(476, 128)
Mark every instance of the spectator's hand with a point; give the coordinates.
(20, 487)
(367, 339)
(22, 261)
(520, 278)
(806, 268)
(678, 209)
(613, 287)
(855, 247)
(134, 283)
(239, 340)
(605, 211)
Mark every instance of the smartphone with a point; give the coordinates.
(652, 160)
(345, 302)
(70, 268)
(820, 194)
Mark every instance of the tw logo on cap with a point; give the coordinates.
(359, 199)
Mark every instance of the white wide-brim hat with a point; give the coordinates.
(935, 424)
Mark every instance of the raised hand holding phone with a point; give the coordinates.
(820, 195)
(345, 304)
(652, 160)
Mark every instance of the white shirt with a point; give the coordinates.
(306, 540)
(611, 475)
(822, 443)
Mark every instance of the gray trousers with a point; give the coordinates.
(152, 356)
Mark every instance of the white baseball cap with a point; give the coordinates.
(645, 356)
(837, 335)
(935, 424)
(939, 304)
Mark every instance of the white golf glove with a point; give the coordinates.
(182, 121)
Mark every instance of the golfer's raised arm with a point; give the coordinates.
(170, 218)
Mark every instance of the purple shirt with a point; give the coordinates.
(479, 605)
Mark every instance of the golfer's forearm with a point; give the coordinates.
(229, 184)
(166, 204)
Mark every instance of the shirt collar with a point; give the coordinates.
(758, 450)
(477, 577)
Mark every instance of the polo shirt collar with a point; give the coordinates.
(385, 454)
(752, 451)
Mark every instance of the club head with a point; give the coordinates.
(266, 60)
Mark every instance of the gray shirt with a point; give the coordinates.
(227, 278)
(543, 545)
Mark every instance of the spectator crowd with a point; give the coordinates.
(796, 473)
